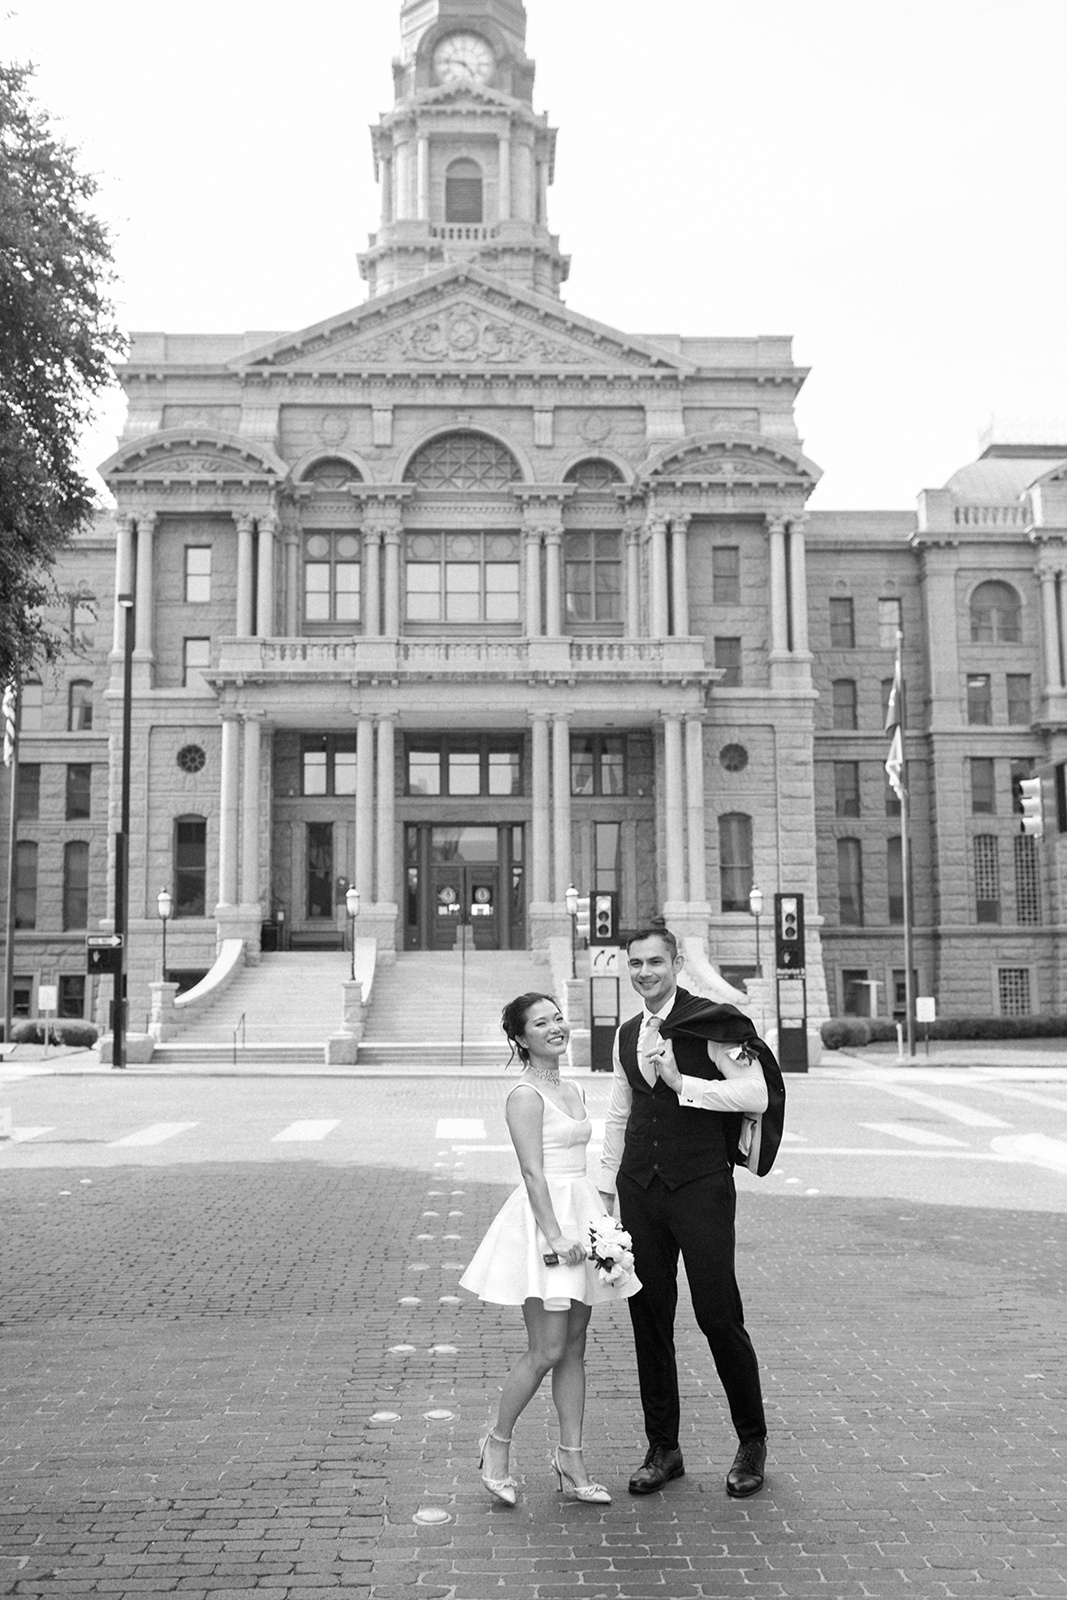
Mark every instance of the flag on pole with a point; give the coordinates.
(10, 723)
(894, 761)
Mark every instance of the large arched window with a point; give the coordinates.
(735, 860)
(995, 614)
(463, 192)
(463, 461)
(594, 475)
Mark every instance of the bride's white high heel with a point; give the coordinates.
(591, 1494)
(502, 1489)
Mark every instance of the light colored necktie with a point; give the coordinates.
(650, 1040)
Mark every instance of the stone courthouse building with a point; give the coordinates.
(462, 596)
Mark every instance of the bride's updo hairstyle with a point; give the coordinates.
(513, 1021)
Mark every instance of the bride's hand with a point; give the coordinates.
(571, 1253)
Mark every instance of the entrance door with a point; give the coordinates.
(464, 876)
(465, 892)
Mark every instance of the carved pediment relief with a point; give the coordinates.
(470, 335)
(734, 459)
(181, 456)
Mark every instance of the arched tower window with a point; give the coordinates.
(593, 476)
(463, 192)
(995, 614)
(463, 461)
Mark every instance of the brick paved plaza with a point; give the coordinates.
(194, 1356)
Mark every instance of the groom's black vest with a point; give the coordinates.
(663, 1138)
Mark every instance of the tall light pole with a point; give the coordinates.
(352, 907)
(122, 844)
(755, 905)
(164, 905)
(571, 897)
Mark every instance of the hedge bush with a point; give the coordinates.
(842, 1033)
(73, 1034)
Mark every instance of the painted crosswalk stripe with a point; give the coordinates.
(158, 1133)
(460, 1128)
(306, 1131)
(1035, 1147)
(948, 1108)
(1024, 1094)
(23, 1135)
(901, 1130)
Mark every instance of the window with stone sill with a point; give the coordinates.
(895, 877)
(477, 767)
(332, 578)
(607, 856)
(983, 785)
(728, 661)
(31, 706)
(1027, 883)
(979, 699)
(850, 882)
(726, 575)
(842, 624)
(80, 706)
(75, 884)
(462, 578)
(592, 577)
(846, 788)
(72, 994)
(889, 623)
(735, 860)
(79, 791)
(328, 764)
(843, 701)
(987, 877)
(1013, 991)
(1020, 699)
(196, 659)
(463, 192)
(598, 764)
(197, 574)
(26, 884)
(28, 793)
(996, 614)
(190, 866)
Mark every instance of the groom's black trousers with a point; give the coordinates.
(697, 1221)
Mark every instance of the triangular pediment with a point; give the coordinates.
(460, 319)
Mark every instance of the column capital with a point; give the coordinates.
(148, 520)
(680, 521)
(775, 522)
(553, 533)
(1048, 570)
(243, 521)
(799, 521)
(269, 522)
(539, 715)
(674, 714)
(655, 524)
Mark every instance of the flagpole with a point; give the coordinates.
(905, 854)
(11, 744)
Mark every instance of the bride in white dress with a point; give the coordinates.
(547, 1216)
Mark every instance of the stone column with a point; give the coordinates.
(673, 808)
(268, 527)
(694, 806)
(144, 611)
(504, 177)
(388, 201)
(561, 805)
(1050, 630)
(1062, 597)
(364, 852)
(391, 608)
(229, 809)
(292, 583)
(680, 575)
(542, 193)
(405, 154)
(657, 570)
(372, 581)
(798, 586)
(779, 602)
(540, 848)
(250, 818)
(243, 620)
(123, 580)
(422, 191)
(554, 581)
(633, 580)
(531, 544)
(386, 810)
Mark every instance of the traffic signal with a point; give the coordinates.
(604, 918)
(789, 932)
(1030, 801)
(581, 925)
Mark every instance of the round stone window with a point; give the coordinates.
(734, 757)
(191, 758)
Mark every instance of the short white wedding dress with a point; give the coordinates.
(508, 1266)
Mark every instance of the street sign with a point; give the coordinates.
(103, 941)
(47, 997)
(925, 1008)
(103, 952)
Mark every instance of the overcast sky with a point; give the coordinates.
(882, 179)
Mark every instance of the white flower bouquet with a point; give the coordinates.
(611, 1250)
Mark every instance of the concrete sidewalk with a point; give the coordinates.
(223, 1382)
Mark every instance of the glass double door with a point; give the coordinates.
(464, 877)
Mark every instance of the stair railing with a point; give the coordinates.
(239, 1027)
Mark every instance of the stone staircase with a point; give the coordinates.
(290, 1003)
(444, 1008)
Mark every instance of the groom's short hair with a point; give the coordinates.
(655, 933)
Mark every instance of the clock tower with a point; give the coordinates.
(463, 160)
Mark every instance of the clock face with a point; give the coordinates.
(463, 58)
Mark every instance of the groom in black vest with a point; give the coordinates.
(669, 1144)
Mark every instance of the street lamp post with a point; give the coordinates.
(571, 898)
(164, 905)
(122, 841)
(755, 905)
(352, 907)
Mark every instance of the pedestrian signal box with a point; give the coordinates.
(103, 952)
(604, 917)
(789, 933)
(1032, 805)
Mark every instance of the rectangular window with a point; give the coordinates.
(196, 659)
(79, 791)
(889, 624)
(28, 801)
(607, 854)
(726, 574)
(979, 699)
(598, 764)
(842, 624)
(197, 573)
(464, 772)
(1027, 891)
(75, 884)
(505, 772)
(592, 577)
(81, 621)
(895, 878)
(987, 877)
(328, 764)
(25, 884)
(31, 707)
(332, 582)
(190, 866)
(1013, 991)
(467, 767)
(80, 706)
(847, 788)
(72, 994)
(728, 660)
(1020, 703)
(843, 691)
(319, 871)
(983, 785)
(424, 771)
(850, 882)
(735, 860)
(856, 992)
(462, 578)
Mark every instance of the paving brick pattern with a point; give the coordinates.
(194, 1357)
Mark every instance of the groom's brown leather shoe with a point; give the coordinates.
(745, 1477)
(659, 1467)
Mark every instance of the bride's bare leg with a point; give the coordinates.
(568, 1390)
(547, 1334)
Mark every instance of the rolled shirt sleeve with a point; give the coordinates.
(742, 1087)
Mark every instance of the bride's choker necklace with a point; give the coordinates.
(549, 1074)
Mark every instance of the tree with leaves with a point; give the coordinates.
(57, 341)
